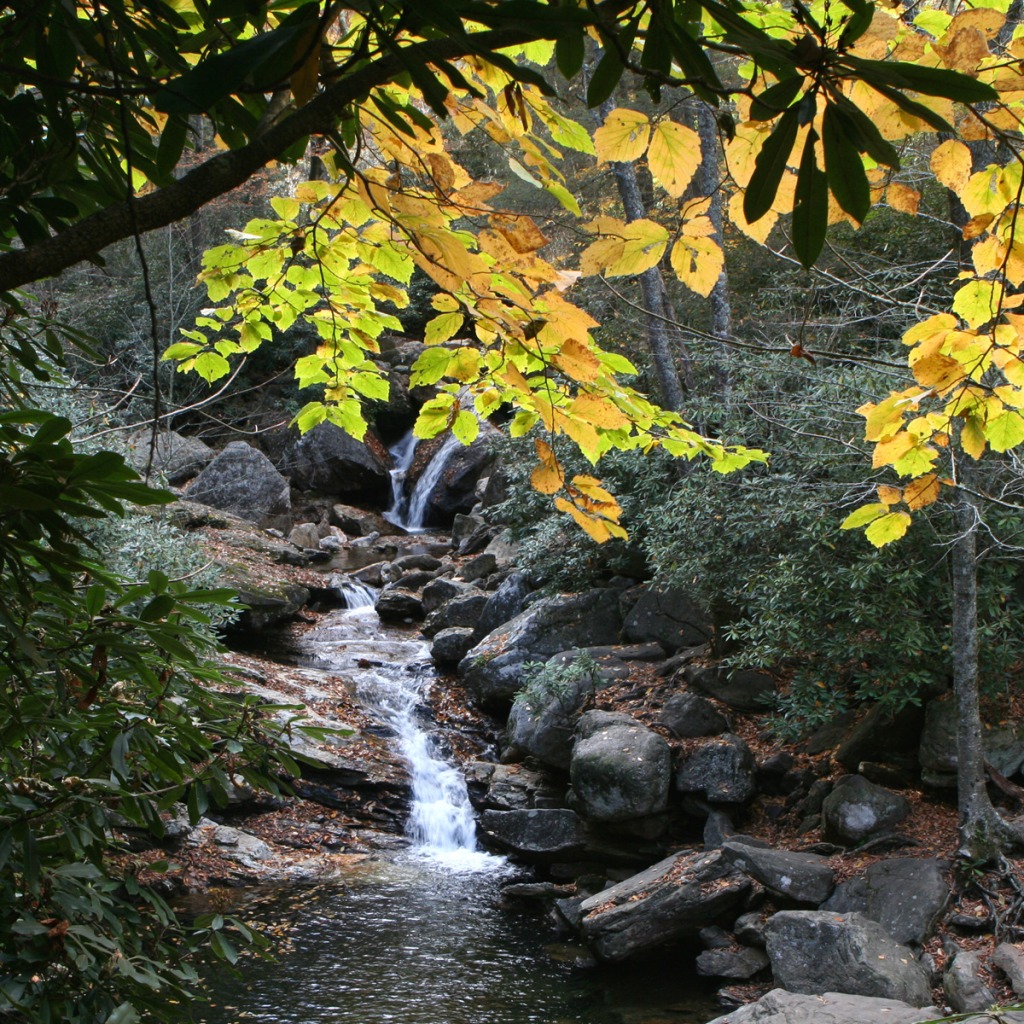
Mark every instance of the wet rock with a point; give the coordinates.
(243, 481)
(802, 877)
(906, 895)
(620, 769)
(669, 901)
(856, 810)
(450, 645)
(397, 604)
(780, 1007)
(465, 610)
(540, 834)
(266, 604)
(720, 769)
(242, 847)
(689, 715)
(741, 963)
(963, 986)
(815, 951)
(176, 458)
(492, 670)
(440, 590)
(510, 787)
(411, 563)
(742, 689)
(327, 460)
(671, 617)
(454, 491)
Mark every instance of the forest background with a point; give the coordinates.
(694, 162)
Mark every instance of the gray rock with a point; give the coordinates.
(241, 847)
(493, 668)
(689, 715)
(815, 951)
(721, 769)
(1004, 745)
(906, 895)
(669, 901)
(803, 877)
(397, 604)
(780, 1007)
(671, 617)
(510, 787)
(329, 461)
(176, 458)
(267, 604)
(465, 610)
(504, 549)
(620, 769)
(882, 736)
(856, 810)
(504, 604)
(741, 963)
(243, 481)
(962, 983)
(1010, 960)
(742, 689)
(305, 535)
(357, 522)
(478, 567)
(449, 646)
(411, 563)
(440, 590)
(749, 929)
(540, 834)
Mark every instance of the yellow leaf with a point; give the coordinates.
(888, 528)
(921, 492)
(977, 226)
(951, 164)
(1015, 264)
(674, 156)
(986, 20)
(600, 411)
(902, 198)
(599, 528)
(623, 136)
(986, 192)
(939, 372)
(698, 263)
(742, 149)
(441, 171)
(965, 50)
(972, 437)
(632, 249)
(889, 495)
(443, 327)
(760, 229)
(978, 301)
(577, 360)
(888, 453)
(444, 303)
(988, 255)
(520, 231)
(548, 476)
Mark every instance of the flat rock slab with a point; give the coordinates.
(906, 895)
(668, 901)
(803, 877)
(815, 951)
(781, 1007)
(537, 834)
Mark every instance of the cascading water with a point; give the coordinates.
(354, 593)
(391, 672)
(410, 510)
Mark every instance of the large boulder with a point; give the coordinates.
(800, 877)
(1004, 745)
(176, 458)
(327, 460)
(856, 810)
(454, 489)
(243, 481)
(906, 895)
(670, 617)
(742, 689)
(504, 604)
(668, 901)
(781, 1007)
(267, 603)
(882, 736)
(493, 668)
(537, 834)
(964, 985)
(815, 951)
(720, 769)
(689, 715)
(620, 769)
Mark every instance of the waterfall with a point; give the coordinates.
(391, 672)
(409, 510)
(353, 592)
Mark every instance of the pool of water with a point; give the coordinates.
(411, 941)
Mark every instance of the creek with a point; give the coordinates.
(421, 936)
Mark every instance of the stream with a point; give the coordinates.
(421, 936)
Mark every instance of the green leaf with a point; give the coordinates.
(857, 125)
(212, 366)
(466, 426)
(863, 515)
(434, 416)
(810, 205)
(774, 100)
(846, 176)
(605, 78)
(888, 528)
(430, 366)
(931, 81)
(769, 167)
(181, 350)
(919, 110)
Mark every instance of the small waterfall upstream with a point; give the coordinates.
(391, 672)
(409, 510)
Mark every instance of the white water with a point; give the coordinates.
(409, 510)
(355, 593)
(391, 672)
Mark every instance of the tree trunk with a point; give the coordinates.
(983, 833)
(652, 290)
